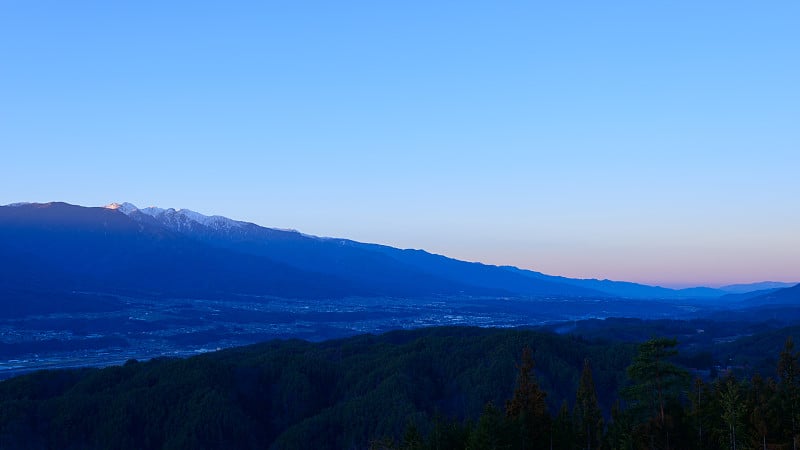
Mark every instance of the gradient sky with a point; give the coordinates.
(648, 141)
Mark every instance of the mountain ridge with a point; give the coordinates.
(357, 268)
(435, 262)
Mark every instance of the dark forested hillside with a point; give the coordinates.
(449, 387)
(295, 394)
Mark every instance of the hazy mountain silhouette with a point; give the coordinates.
(57, 247)
(154, 251)
(379, 265)
(778, 297)
(625, 289)
(752, 287)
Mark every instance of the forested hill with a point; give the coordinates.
(434, 388)
(295, 394)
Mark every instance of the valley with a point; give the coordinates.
(108, 329)
(149, 294)
(142, 328)
(88, 286)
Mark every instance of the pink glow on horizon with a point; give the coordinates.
(671, 269)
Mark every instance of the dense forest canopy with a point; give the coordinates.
(448, 387)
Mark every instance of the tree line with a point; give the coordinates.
(433, 388)
(661, 407)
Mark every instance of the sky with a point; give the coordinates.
(656, 142)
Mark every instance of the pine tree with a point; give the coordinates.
(656, 383)
(563, 429)
(761, 419)
(527, 406)
(703, 415)
(619, 436)
(733, 412)
(588, 417)
(789, 374)
(491, 432)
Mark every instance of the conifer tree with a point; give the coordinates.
(527, 406)
(789, 389)
(491, 432)
(563, 429)
(761, 419)
(733, 412)
(588, 418)
(619, 436)
(703, 414)
(656, 383)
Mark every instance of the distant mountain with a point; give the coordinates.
(786, 296)
(61, 247)
(752, 287)
(736, 298)
(367, 264)
(625, 289)
(155, 251)
(376, 264)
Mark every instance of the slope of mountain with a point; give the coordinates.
(60, 247)
(734, 298)
(624, 289)
(787, 296)
(752, 287)
(181, 252)
(370, 265)
(379, 264)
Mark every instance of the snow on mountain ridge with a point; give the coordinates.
(178, 218)
(154, 211)
(185, 219)
(125, 207)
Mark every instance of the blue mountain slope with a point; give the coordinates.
(180, 252)
(57, 247)
(480, 274)
(787, 296)
(752, 287)
(371, 265)
(625, 289)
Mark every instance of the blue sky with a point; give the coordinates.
(646, 141)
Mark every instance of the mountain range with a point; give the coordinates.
(152, 251)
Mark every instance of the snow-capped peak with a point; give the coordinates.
(125, 208)
(216, 222)
(155, 211)
(179, 219)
